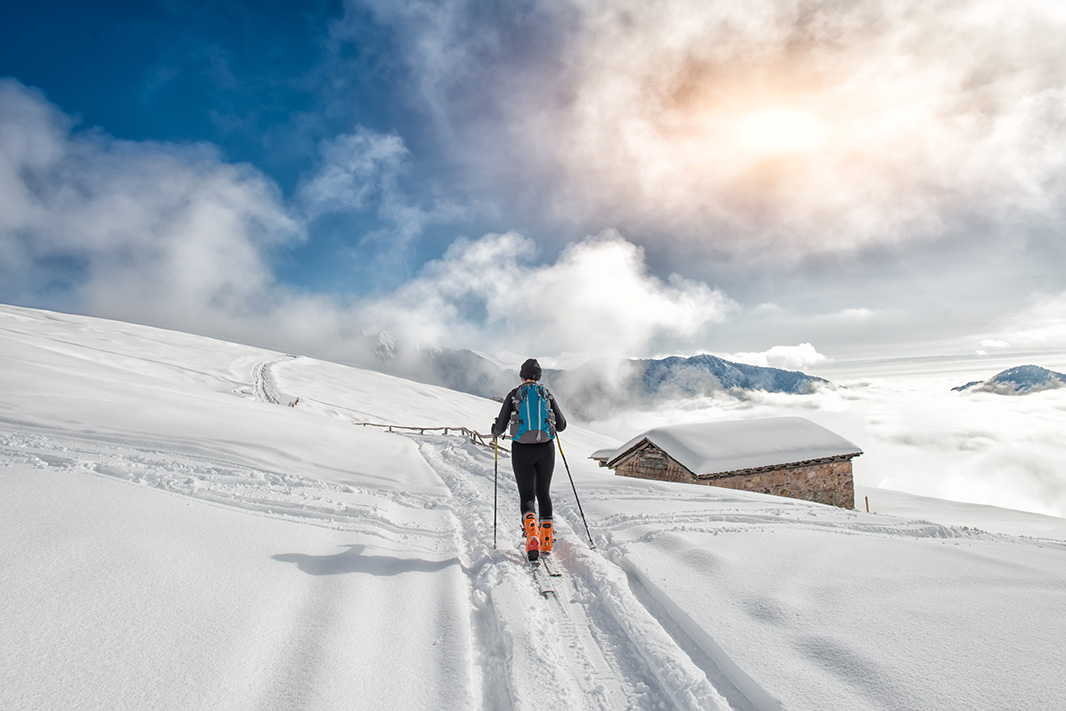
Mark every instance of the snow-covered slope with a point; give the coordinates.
(170, 538)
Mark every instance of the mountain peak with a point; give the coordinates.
(1019, 380)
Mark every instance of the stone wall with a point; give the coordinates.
(650, 462)
(827, 482)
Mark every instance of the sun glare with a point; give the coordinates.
(780, 131)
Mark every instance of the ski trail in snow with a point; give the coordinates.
(643, 645)
(263, 383)
(211, 473)
(593, 645)
(597, 679)
(796, 517)
(515, 631)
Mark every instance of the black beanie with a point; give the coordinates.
(530, 370)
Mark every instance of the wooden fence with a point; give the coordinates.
(475, 437)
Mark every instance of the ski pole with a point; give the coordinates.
(495, 486)
(592, 544)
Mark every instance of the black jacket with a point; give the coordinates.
(499, 425)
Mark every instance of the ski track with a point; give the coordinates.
(594, 634)
(206, 475)
(263, 383)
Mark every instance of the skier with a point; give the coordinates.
(533, 417)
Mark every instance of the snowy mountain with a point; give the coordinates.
(601, 385)
(606, 385)
(383, 345)
(1020, 380)
(458, 369)
(706, 374)
(171, 538)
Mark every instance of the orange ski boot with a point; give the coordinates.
(532, 536)
(547, 536)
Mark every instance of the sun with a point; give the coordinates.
(779, 130)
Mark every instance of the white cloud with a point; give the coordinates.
(796, 357)
(855, 314)
(768, 129)
(991, 343)
(976, 447)
(1043, 323)
(360, 173)
(146, 231)
(351, 168)
(597, 297)
(164, 234)
(174, 236)
(1040, 325)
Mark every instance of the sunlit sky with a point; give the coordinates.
(794, 183)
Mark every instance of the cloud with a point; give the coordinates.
(145, 230)
(975, 447)
(351, 168)
(1040, 325)
(1038, 329)
(855, 315)
(768, 129)
(360, 174)
(157, 233)
(596, 298)
(174, 236)
(797, 357)
(993, 344)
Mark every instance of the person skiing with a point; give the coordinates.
(533, 416)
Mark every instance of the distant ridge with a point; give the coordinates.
(607, 383)
(1020, 380)
(729, 375)
(595, 387)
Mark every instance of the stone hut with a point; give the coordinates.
(783, 456)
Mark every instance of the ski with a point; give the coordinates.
(543, 581)
(552, 570)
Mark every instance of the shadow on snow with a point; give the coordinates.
(353, 560)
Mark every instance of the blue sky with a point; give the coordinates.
(790, 184)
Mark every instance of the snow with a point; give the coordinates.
(171, 539)
(717, 447)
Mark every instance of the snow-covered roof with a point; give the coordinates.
(603, 454)
(718, 447)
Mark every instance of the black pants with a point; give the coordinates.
(533, 466)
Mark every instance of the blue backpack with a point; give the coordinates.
(532, 419)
